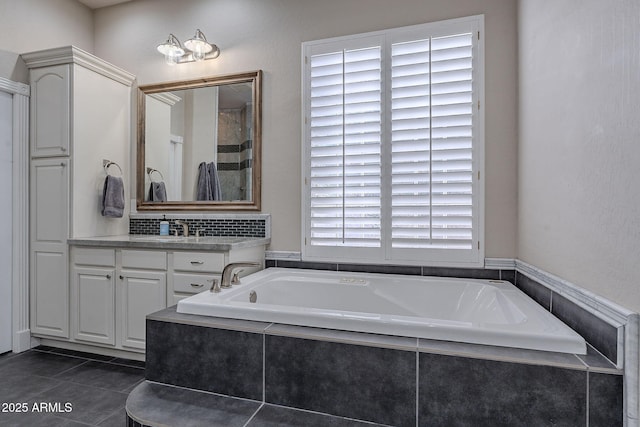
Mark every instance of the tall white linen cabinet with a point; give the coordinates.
(80, 116)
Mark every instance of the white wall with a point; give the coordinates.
(267, 35)
(101, 130)
(579, 149)
(31, 25)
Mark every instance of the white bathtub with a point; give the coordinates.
(464, 310)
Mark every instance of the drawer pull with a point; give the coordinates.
(197, 285)
(108, 276)
(197, 262)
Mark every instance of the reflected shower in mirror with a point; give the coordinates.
(199, 144)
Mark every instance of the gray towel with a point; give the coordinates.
(157, 192)
(216, 191)
(203, 190)
(113, 197)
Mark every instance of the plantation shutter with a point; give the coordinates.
(393, 146)
(345, 140)
(431, 138)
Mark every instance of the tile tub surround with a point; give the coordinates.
(237, 225)
(598, 332)
(388, 380)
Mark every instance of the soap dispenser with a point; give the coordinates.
(164, 226)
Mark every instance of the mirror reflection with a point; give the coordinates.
(199, 147)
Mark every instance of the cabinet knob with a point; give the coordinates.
(121, 277)
(108, 276)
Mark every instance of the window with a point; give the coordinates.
(393, 146)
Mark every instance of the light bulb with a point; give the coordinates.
(198, 46)
(198, 54)
(171, 50)
(171, 59)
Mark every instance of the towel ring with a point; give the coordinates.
(107, 163)
(152, 170)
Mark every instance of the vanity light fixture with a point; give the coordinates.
(197, 49)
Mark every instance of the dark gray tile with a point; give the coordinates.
(597, 362)
(472, 392)
(171, 315)
(365, 383)
(538, 292)
(306, 264)
(597, 332)
(37, 419)
(88, 404)
(502, 354)
(508, 275)
(605, 400)
(104, 375)
(385, 269)
(210, 359)
(117, 419)
(268, 263)
(6, 356)
(17, 386)
(40, 363)
(465, 273)
(278, 416)
(157, 404)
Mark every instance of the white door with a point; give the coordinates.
(6, 150)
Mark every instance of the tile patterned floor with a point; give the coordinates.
(73, 389)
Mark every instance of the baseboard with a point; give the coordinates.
(21, 341)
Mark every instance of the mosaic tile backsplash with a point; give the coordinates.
(207, 226)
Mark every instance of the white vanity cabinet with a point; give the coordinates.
(93, 312)
(49, 253)
(80, 115)
(112, 291)
(113, 288)
(141, 291)
(192, 272)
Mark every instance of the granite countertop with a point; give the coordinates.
(208, 243)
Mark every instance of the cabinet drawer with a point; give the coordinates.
(94, 256)
(156, 260)
(192, 283)
(198, 261)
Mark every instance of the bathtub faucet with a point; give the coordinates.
(227, 272)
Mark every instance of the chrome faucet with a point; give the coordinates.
(185, 227)
(227, 272)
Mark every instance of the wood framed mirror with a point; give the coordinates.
(200, 144)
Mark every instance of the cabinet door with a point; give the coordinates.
(49, 293)
(93, 305)
(140, 293)
(50, 110)
(49, 277)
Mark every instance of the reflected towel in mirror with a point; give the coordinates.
(157, 192)
(208, 186)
